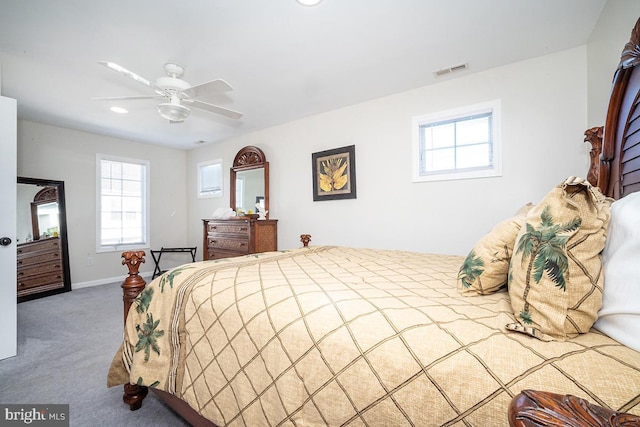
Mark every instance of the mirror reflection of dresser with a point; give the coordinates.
(42, 249)
(251, 231)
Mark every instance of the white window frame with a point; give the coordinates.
(493, 170)
(145, 205)
(212, 170)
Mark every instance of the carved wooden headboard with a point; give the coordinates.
(618, 169)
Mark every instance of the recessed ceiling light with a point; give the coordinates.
(309, 2)
(119, 110)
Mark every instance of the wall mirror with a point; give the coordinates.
(249, 183)
(42, 247)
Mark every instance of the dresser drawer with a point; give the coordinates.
(228, 228)
(38, 258)
(41, 282)
(240, 246)
(39, 246)
(37, 269)
(222, 253)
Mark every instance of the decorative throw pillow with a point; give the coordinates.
(484, 271)
(619, 316)
(555, 274)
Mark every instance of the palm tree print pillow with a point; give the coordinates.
(555, 273)
(484, 271)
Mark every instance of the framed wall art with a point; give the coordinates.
(334, 174)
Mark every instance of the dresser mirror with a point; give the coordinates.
(249, 183)
(42, 248)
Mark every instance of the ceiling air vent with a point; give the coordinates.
(450, 70)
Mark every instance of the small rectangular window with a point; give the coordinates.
(457, 144)
(210, 179)
(122, 200)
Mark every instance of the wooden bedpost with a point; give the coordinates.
(594, 137)
(132, 285)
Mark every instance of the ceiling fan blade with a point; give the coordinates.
(126, 98)
(214, 108)
(209, 88)
(130, 74)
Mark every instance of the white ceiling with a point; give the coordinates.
(285, 61)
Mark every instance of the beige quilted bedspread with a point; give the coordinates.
(358, 337)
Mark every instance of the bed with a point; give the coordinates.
(353, 336)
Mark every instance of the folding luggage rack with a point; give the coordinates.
(157, 254)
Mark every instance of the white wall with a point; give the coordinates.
(50, 152)
(611, 33)
(543, 119)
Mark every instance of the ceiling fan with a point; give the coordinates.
(176, 93)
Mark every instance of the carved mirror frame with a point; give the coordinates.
(45, 196)
(248, 158)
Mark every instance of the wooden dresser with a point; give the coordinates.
(223, 238)
(39, 266)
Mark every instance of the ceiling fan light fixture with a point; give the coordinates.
(173, 112)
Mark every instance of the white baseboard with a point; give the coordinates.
(146, 275)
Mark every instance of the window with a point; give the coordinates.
(122, 200)
(210, 179)
(457, 144)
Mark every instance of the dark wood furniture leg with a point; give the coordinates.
(132, 285)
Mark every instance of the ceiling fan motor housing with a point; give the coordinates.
(172, 84)
(174, 70)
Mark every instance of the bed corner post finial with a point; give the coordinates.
(594, 137)
(305, 239)
(132, 285)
